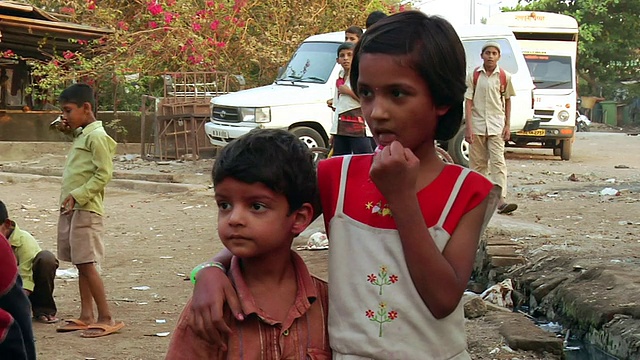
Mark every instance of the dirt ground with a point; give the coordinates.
(155, 239)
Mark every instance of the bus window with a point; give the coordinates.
(473, 49)
(550, 71)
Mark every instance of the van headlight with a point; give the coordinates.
(257, 115)
(563, 115)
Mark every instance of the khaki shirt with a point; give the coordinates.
(488, 111)
(89, 168)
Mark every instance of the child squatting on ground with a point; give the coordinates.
(265, 185)
(403, 226)
(37, 268)
(87, 172)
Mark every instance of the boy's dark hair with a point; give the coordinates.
(374, 17)
(275, 158)
(357, 30)
(345, 46)
(434, 51)
(78, 94)
(4, 215)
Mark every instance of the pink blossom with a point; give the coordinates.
(214, 25)
(170, 2)
(83, 42)
(153, 25)
(123, 25)
(200, 14)
(221, 44)
(183, 48)
(67, 10)
(91, 4)
(68, 55)
(241, 23)
(210, 3)
(154, 8)
(168, 17)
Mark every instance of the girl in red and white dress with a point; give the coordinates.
(403, 226)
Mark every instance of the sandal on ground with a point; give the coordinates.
(46, 319)
(507, 209)
(105, 329)
(72, 325)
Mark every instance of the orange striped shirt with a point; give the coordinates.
(302, 335)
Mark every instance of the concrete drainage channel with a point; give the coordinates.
(597, 306)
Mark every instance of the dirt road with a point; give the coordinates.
(154, 239)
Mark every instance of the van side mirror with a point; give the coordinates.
(280, 71)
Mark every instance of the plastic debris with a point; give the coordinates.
(609, 192)
(71, 273)
(317, 241)
(141, 288)
(500, 294)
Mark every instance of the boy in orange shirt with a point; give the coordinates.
(265, 185)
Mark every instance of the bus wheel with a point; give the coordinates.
(458, 148)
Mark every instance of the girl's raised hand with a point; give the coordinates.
(395, 170)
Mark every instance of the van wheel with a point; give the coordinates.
(309, 136)
(458, 148)
(557, 151)
(565, 150)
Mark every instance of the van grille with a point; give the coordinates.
(544, 115)
(225, 114)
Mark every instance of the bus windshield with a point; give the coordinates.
(550, 71)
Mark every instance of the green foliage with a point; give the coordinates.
(608, 48)
(151, 37)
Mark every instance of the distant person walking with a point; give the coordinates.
(487, 116)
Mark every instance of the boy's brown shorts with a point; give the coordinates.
(80, 237)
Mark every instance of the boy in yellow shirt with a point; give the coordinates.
(88, 169)
(37, 268)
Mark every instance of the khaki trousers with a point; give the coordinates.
(486, 156)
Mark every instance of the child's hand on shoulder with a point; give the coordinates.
(395, 170)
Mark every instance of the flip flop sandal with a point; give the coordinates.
(106, 329)
(507, 208)
(45, 319)
(72, 325)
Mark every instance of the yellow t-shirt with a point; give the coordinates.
(25, 248)
(89, 168)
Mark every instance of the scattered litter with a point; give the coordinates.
(610, 181)
(166, 257)
(577, 268)
(161, 321)
(573, 177)
(187, 207)
(494, 351)
(181, 274)
(507, 349)
(70, 273)
(142, 303)
(621, 167)
(500, 294)
(616, 261)
(124, 300)
(163, 162)
(609, 192)
(142, 288)
(27, 207)
(625, 222)
(160, 334)
(317, 241)
(552, 327)
(553, 194)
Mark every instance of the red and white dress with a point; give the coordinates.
(375, 312)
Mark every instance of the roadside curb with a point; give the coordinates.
(137, 185)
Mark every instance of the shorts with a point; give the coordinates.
(80, 237)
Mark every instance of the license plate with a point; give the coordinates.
(220, 133)
(538, 132)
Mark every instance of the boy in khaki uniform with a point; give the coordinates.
(88, 169)
(487, 116)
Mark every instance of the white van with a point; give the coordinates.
(296, 101)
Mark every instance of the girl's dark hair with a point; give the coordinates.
(435, 53)
(275, 158)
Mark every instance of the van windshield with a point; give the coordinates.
(312, 62)
(550, 72)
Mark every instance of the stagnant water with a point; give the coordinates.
(574, 348)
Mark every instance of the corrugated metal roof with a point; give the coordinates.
(31, 32)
